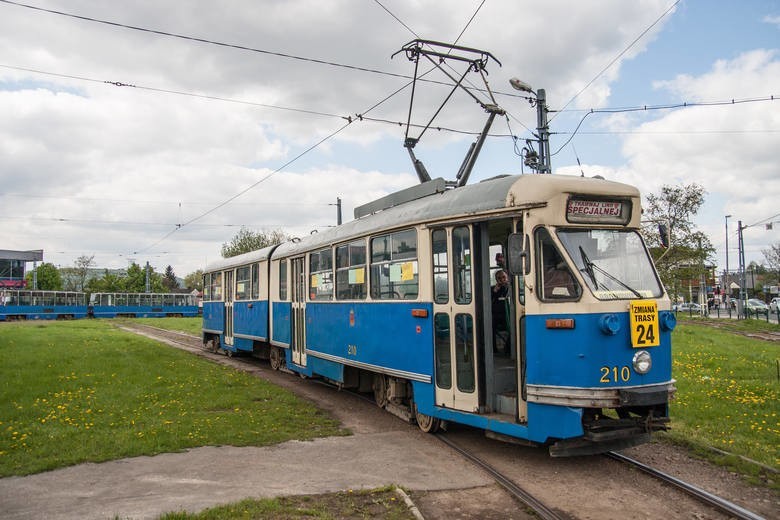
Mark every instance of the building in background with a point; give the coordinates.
(12, 267)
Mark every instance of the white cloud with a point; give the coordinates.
(132, 155)
(730, 150)
(771, 19)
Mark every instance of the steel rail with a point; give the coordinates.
(704, 496)
(542, 510)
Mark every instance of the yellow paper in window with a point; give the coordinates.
(314, 280)
(407, 271)
(357, 276)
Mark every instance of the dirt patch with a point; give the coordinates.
(387, 503)
(485, 503)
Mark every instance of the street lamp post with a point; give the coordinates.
(543, 129)
(726, 284)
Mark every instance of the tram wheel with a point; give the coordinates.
(426, 423)
(380, 390)
(212, 345)
(229, 353)
(276, 358)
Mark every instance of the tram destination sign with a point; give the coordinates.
(603, 211)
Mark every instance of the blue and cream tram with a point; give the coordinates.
(235, 311)
(41, 305)
(142, 305)
(575, 354)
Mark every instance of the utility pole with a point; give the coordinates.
(542, 127)
(147, 276)
(726, 282)
(742, 293)
(338, 210)
(544, 131)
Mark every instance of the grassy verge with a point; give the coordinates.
(378, 503)
(80, 391)
(192, 326)
(727, 393)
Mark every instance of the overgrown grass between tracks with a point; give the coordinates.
(192, 326)
(79, 391)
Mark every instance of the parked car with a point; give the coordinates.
(755, 306)
(687, 307)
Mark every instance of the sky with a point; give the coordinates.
(153, 131)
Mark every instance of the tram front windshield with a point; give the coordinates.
(614, 263)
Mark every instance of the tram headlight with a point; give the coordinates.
(642, 362)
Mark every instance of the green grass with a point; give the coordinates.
(79, 391)
(377, 503)
(192, 326)
(97, 393)
(727, 390)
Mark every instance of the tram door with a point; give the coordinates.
(453, 317)
(298, 318)
(229, 307)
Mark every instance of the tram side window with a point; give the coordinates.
(394, 266)
(243, 281)
(441, 283)
(216, 287)
(351, 271)
(255, 281)
(207, 287)
(321, 275)
(553, 274)
(461, 264)
(283, 280)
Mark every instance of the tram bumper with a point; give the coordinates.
(643, 396)
(601, 397)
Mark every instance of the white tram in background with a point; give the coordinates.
(576, 355)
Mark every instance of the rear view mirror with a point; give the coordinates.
(518, 257)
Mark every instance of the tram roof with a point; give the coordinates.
(495, 194)
(490, 195)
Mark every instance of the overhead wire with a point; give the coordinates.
(349, 120)
(170, 91)
(265, 178)
(204, 40)
(333, 134)
(223, 44)
(662, 107)
(616, 58)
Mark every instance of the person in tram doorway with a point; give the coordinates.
(499, 296)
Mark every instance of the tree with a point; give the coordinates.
(109, 283)
(247, 240)
(688, 249)
(772, 256)
(194, 280)
(135, 281)
(169, 280)
(83, 263)
(48, 278)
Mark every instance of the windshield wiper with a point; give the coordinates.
(590, 267)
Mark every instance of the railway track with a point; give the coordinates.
(193, 344)
(703, 496)
(537, 506)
